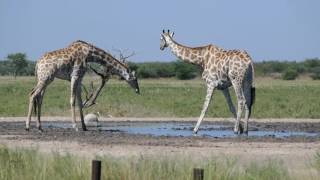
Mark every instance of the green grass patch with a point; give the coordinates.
(16, 164)
(166, 98)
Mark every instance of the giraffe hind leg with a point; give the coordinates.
(238, 129)
(39, 104)
(249, 97)
(226, 94)
(249, 94)
(33, 101)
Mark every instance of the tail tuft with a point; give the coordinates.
(253, 95)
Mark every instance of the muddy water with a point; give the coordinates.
(184, 129)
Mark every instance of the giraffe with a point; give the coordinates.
(221, 70)
(70, 64)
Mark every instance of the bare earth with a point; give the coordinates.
(295, 152)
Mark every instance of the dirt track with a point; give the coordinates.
(295, 152)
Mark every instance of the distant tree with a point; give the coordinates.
(144, 71)
(316, 73)
(18, 62)
(186, 71)
(290, 74)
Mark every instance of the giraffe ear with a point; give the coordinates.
(171, 34)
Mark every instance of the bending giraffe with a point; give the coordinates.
(221, 70)
(71, 64)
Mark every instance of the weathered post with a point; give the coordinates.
(96, 170)
(198, 174)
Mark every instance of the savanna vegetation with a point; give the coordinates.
(17, 64)
(31, 164)
(166, 97)
(167, 91)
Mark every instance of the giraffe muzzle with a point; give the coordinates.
(138, 91)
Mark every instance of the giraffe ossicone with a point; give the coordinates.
(221, 70)
(70, 64)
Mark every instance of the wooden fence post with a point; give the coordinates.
(96, 170)
(198, 174)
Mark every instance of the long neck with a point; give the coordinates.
(105, 59)
(187, 54)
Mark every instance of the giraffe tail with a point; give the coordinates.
(253, 95)
(253, 90)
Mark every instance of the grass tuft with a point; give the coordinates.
(30, 164)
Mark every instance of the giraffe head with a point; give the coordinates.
(165, 38)
(133, 81)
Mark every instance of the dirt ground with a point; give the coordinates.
(295, 152)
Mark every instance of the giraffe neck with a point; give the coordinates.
(99, 56)
(187, 54)
(106, 59)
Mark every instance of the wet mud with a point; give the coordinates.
(130, 133)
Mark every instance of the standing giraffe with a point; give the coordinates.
(221, 69)
(71, 64)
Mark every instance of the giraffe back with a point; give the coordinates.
(222, 66)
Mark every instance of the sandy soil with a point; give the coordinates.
(295, 152)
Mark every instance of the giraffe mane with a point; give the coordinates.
(195, 48)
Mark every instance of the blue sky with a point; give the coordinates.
(268, 30)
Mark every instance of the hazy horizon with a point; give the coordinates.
(268, 30)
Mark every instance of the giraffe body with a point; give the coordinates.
(221, 70)
(71, 64)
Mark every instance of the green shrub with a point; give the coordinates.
(316, 73)
(145, 72)
(290, 74)
(186, 71)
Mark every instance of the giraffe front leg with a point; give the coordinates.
(92, 100)
(80, 106)
(210, 90)
(73, 101)
(238, 129)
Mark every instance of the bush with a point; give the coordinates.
(156, 70)
(145, 72)
(186, 71)
(290, 74)
(316, 73)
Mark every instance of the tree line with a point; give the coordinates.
(17, 64)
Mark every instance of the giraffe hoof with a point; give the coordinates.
(40, 130)
(195, 131)
(236, 132)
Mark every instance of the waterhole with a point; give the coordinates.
(184, 129)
